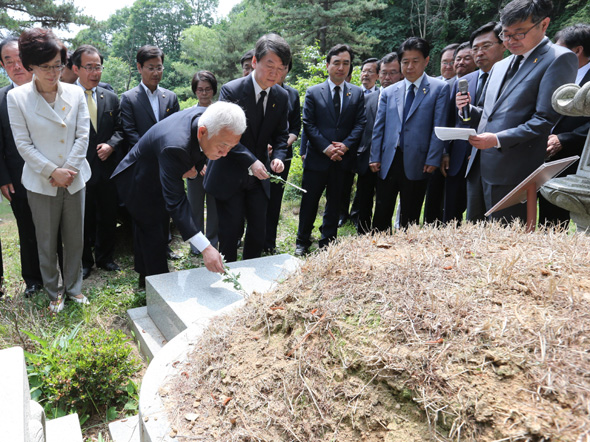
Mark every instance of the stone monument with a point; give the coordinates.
(573, 191)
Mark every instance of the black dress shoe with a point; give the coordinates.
(301, 251)
(32, 289)
(86, 271)
(109, 266)
(173, 256)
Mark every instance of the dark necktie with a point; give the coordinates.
(407, 107)
(336, 99)
(511, 72)
(260, 111)
(480, 86)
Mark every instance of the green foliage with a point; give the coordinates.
(189, 102)
(17, 15)
(117, 73)
(295, 175)
(83, 372)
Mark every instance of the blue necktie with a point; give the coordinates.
(407, 107)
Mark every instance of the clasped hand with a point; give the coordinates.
(62, 177)
(336, 151)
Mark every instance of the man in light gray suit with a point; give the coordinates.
(404, 149)
(516, 118)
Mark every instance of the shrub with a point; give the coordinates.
(85, 373)
(295, 174)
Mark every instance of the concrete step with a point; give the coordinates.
(147, 334)
(125, 430)
(64, 429)
(180, 299)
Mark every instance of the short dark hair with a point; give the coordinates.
(450, 47)
(520, 10)
(389, 58)
(9, 39)
(464, 45)
(247, 56)
(76, 58)
(148, 52)
(370, 60)
(575, 35)
(204, 76)
(38, 46)
(338, 49)
(485, 29)
(414, 44)
(273, 43)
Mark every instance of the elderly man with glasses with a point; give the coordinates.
(516, 116)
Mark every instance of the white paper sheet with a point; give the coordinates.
(454, 133)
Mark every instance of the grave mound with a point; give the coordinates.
(458, 333)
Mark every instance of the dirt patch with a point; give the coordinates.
(463, 333)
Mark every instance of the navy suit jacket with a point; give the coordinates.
(226, 175)
(151, 173)
(572, 133)
(137, 114)
(109, 131)
(364, 150)
(458, 150)
(522, 116)
(322, 127)
(422, 146)
(11, 163)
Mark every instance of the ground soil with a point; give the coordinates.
(466, 333)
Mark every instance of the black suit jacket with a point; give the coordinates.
(364, 149)
(294, 117)
(322, 127)
(137, 114)
(572, 133)
(227, 174)
(11, 163)
(150, 176)
(109, 131)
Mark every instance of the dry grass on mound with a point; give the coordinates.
(434, 334)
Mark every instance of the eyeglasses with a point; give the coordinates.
(519, 35)
(448, 63)
(201, 90)
(484, 47)
(154, 68)
(89, 68)
(47, 68)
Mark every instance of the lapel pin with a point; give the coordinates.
(163, 95)
(111, 114)
(348, 94)
(63, 108)
(424, 90)
(535, 60)
(273, 105)
(168, 110)
(101, 96)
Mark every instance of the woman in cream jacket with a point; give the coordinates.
(50, 123)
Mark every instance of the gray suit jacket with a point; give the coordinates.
(522, 116)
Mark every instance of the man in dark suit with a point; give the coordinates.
(11, 170)
(239, 182)
(150, 180)
(246, 63)
(334, 120)
(277, 189)
(106, 136)
(389, 73)
(405, 150)
(516, 117)
(569, 134)
(147, 103)
(487, 50)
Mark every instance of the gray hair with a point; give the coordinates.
(223, 115)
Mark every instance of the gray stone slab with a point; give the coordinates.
(64, 429)
(125, 430)
(177, 300)
(147, 334)
(14, 394)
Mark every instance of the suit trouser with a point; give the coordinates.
(411, 192)
(315, 182)
(150, 242)
(435, 194)
(196, 197)
(29, 255)
(273, 212)
(365, 194)
(476, 206)
(100, 223)
(250, 203)
(63, 212)
(455, 196)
